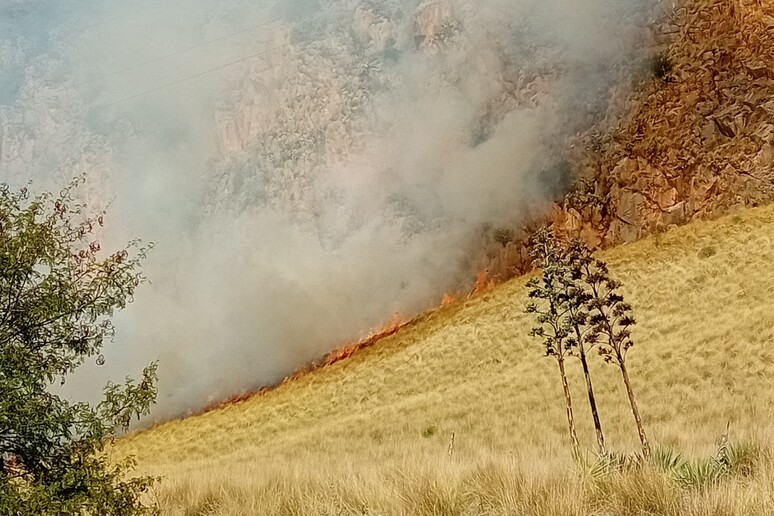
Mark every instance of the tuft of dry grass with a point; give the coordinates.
(352, 438)
(495, 486)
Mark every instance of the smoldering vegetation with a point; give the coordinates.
(306, 167)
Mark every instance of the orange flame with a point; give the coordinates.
(397, 322)
(483, 282)
(377, 334)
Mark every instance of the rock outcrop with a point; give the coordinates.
(696, 142)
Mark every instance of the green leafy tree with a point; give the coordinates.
(58, 291)
(550, 306)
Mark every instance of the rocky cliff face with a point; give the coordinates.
(691, 137)
(695, 142)
(334, 96)
(698, 141)
(320, 101)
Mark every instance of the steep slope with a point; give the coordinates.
(282, 150)
(372, 434)
(701, 141)
(693, 142)
(703, 358)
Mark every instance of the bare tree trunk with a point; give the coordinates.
(592, 401)
(635, 410)
(568, 405)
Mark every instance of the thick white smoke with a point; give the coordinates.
(306, 167)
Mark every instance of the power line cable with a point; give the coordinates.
(182, 51)
(206, 72)
(84, 28)
(194, 76)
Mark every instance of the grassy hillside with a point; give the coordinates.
(370, 435)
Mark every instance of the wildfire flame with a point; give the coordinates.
(397, 322)
(483, 282)
(447, 300)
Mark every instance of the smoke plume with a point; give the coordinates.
(306, 167)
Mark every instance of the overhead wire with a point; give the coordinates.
(194, 76)
(84, 28)
(183, 51)
(204, 72)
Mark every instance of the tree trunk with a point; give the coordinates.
(592, 400)
(568, 406)
(635, 410)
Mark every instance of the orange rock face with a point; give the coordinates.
(694, 143)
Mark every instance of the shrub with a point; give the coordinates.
(661, 67)
(58, 292)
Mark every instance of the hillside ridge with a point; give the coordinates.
(343, 393)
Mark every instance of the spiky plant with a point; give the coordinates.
(611, 321)
(559, 288)
(574, 257)
(550, 306)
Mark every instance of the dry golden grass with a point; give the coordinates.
(370, 435)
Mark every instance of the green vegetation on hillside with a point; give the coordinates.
(57, 295)
(354, 438)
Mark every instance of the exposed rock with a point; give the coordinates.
(619, 231)
(765, 157)
(435, 22)
(697, 145)
(625, 170)
(675, 214)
